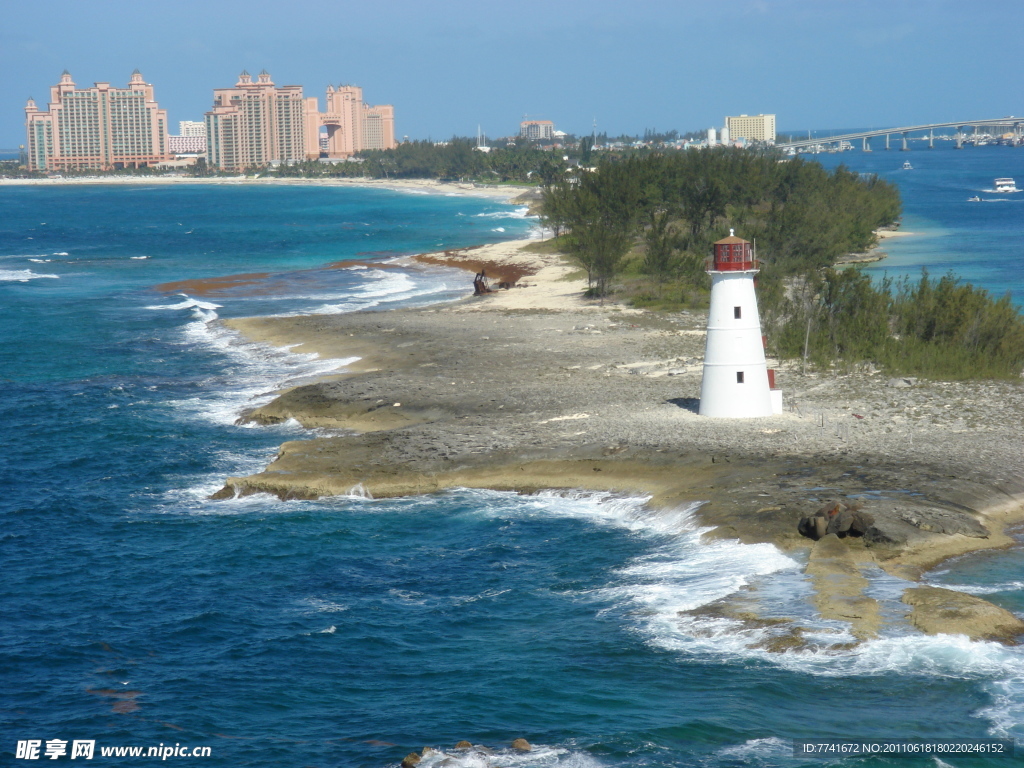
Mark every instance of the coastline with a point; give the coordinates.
(536, 388)
(874, 253)
(429, 186)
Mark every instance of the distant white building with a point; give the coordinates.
(186, 145)
(537, 129)
(191, 128)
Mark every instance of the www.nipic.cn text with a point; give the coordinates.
(54, 749)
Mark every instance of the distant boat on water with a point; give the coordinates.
(974, 199)
(907, 166)
(1006, 185)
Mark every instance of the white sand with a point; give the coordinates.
(400, 185)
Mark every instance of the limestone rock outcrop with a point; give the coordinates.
(945, 611)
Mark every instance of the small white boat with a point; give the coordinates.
(974, 199)
(1006, 185)
(907, 166)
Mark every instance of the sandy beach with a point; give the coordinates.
(536, 387)
(421, 186)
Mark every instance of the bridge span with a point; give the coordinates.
(1016, 124)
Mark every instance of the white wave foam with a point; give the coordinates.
(187, 304)
(538, 757)
(380, 287)
(61, 253)
(759, 748)
(1006, 713)
(21, 275)
(518, 213)
(256, 374)
(325, 606)
(681, 572)
(498, 229)
(138, 258)
(983, 589)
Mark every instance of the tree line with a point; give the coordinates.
(937, 328)
(454, 160)
(670, 207)
(656, 215)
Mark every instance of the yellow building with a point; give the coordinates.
(752, 128)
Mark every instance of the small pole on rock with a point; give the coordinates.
(807, 339)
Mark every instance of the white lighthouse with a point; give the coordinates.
(736, 383)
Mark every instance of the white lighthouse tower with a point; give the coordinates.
(736, 383)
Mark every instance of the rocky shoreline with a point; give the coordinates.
(535, 387)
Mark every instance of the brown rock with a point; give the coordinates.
(944, 611)
(464, 745)
(522, 745)
(862, 521)
(410, 760)
(840, 523)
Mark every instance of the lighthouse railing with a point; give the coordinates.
(712, 265)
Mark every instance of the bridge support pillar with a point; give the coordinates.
(887, 142)
(959, 138)
(865, 146)
(904, 148)
(931, 138)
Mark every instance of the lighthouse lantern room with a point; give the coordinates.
(736, 382)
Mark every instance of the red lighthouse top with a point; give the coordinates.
(733, 254)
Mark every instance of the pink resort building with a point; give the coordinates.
(98, 128)
(258, 123)
(353, 125)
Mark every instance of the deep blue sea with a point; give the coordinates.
(134, 611)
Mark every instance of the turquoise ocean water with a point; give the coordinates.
(980, 241)
(348, 631)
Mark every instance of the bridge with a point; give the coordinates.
(928, 131)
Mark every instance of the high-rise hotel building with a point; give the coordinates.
(752, 128)
(98, 128)
(353, 125)
(258, 123)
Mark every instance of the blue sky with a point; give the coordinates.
(449, 65)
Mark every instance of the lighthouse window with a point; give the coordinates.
(739, 377)
(737, 312)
